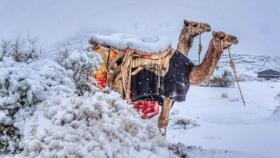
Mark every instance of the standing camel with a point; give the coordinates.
(112, 71)
(194, 75)
(202, 72)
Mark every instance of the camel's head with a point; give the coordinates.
(196, 28)
(223, 40)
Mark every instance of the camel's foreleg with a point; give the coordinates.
(164, 115)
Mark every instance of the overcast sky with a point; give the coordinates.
(256, 23)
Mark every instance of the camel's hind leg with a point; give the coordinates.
(164, 115)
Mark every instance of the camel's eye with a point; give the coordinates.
(195, 25)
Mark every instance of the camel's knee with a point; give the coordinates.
(163, 122)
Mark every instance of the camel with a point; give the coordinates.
(198, 74)
(189, 31)
(203, 71)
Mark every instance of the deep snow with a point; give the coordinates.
(226, 125)
(221, 126)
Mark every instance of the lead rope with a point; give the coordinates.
(199, 49)
(158, 75)
(107, 64)
(232, 65)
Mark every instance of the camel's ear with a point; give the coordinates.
(186, 23)
(214, 34)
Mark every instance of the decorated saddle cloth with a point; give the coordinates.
(149, 69)
(147, 85)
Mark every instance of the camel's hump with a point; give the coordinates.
(149, 43)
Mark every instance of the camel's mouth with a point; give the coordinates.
(208, 28)
(232, 39)
(235, 41)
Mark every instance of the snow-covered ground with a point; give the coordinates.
(248, 66)
(225, 124)
(207, 124)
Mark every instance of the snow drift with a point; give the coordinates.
(50, 108)
(26, 80)
(101, 125)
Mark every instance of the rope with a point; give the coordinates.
(232, 65)
(199, 49)
(158, 75)
(107, 64)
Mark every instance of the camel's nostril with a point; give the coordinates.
(208, 28)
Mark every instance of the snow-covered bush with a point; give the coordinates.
(224, 95)
(41, 116)
(277, 97)
(81, 64)
(183, 123)
(20, 50)
(223, 80)
(26, 80)
(277, 108)
(100, 125)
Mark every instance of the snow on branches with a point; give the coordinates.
(81, 64)
(100, 125)
(50, 107)
(25, 81)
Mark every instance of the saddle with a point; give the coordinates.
(118, 74)
(135, 61)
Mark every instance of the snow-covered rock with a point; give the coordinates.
(248, 66)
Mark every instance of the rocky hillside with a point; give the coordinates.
(248, 66)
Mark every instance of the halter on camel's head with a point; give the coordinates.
(196, 28)
(223, 40)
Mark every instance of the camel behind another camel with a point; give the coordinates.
(189, 31)
(199, 73)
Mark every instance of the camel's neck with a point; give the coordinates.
(185, 42)
(212, 57)
(203, 71)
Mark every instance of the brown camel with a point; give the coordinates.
(203, 71)
(189, 31)
(199, 73)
